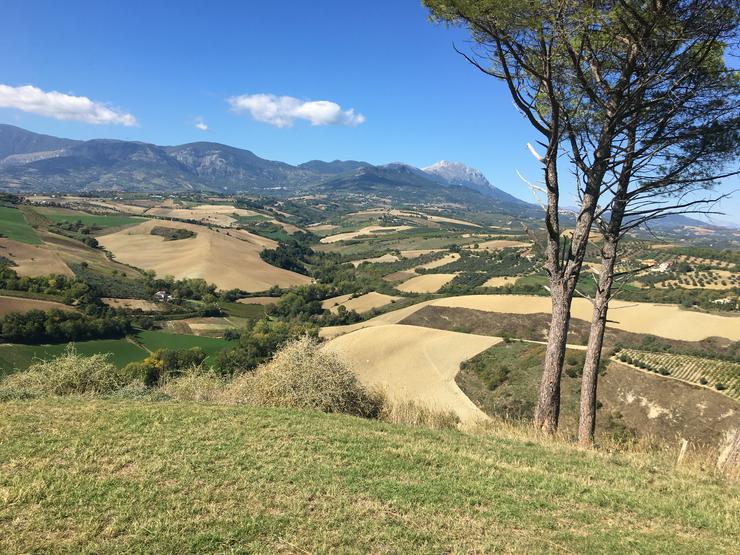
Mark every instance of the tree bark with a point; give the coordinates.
(547, 413)
(589, 380)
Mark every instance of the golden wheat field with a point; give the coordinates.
(667, 321)
(414, 364)
(230, 259)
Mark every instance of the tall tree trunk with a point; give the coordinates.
(547, 413)
(589, 380)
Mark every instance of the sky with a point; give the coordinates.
(291, 81)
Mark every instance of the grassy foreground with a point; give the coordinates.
(111, 476)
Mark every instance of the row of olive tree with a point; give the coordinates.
(636, 97)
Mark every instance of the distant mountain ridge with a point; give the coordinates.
(31, 162)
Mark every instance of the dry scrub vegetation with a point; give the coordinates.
(301, 375)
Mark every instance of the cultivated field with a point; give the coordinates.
(132, 304)
(426, 283)
(697, 370)
(14, 226)
(228, 259)
(363, 303)
(369, 230)
(217, 214)
(412, 363)
(655, 319)
(18, 304)
(33, 260)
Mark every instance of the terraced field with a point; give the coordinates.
(697, 370)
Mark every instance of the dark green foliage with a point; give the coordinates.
(57, 326)
(172, 233)
(257, 343)
(289, 255)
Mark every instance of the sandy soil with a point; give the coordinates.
(228, 259)
(132, 304)
(426, 283)
(15, 304)
(500, 281)
(378, 259)
(657, 319)
(413, 363)
(363, 303)
(369, 230)
(33, 260)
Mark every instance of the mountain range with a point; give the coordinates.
(32, 162)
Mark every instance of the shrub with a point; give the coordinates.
(301, 375)
(720, 386)
(67, 374)
(195, 385)
(703, 381)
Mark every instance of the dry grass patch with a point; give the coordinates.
(230, 259)
(427, 283)
(302, 375)
(413, 364)
(18, 304)
(33, 260)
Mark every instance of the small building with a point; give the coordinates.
(162, 296)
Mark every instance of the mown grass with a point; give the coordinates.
(19, 357)
(14, 226)
(112, 476)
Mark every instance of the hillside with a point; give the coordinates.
(33, 163)
(111, 476)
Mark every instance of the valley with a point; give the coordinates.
(414, 298)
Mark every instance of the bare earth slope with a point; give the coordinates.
(229, 260)
(413, 363)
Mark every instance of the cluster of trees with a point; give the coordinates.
(291, 255)
(636, 100)
(79, 231)
(257, 342)
(60, 326)
(164, 364)
(72, 290)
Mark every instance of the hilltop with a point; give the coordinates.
(112, 476)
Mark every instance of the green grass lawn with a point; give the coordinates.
(128, 476)
(19, 357)
(154, 340)
(14, 226)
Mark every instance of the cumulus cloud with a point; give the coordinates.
(58, 105)
(200, 124)
(282, 111)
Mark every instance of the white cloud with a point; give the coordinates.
(200, 124)
(58, 105)
(282, 111)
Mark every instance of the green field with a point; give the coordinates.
(100, 220)
(18, 357)
(128, 476)
(154, 340)
(14, 226)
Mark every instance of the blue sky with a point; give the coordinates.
(172, 65)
